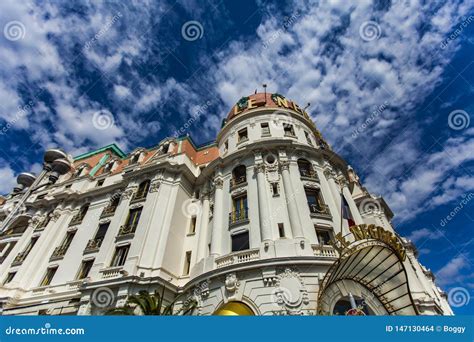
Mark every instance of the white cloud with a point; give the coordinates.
(451, 273)
(7, 175)
(424, 233)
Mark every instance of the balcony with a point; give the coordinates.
(319, 211)
(238, 217)
(238, 257)
(19, 258)
(111, 272)
(324, 251)
(77, 219)
(59, 253)
(309, 174)
(138, 197)
(126, 230)
(237, 182)
(93, 245)
(290, 134)
(108, 211)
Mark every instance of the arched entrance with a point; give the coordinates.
(369, 270)
(234, 309)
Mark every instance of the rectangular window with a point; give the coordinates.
(192, 227)
(187, 263)
(289, 130)
(100, 234)
(29, 247)
(243, 135)
(324, 236)
(239, 209)
(67, 240)
(85, 269)
(100, 182)
(120, 256)
(240, 242)
(265, 129)
(133, 218)
(314, 199)
(275, 189)
(48, 277)
(308, 139)
(281, 230)
(7, 248)
(9, 278)
(226, 145)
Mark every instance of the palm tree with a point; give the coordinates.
(152, 304)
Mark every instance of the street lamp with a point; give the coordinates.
(55, 163)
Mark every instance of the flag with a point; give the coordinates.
(346, 212)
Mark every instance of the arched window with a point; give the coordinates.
(239, 175)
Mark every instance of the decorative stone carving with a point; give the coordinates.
(290, 292)
(232, 283)
(284, 165)
(269, 277)
(238, 191)
(55, 215)
(104, 220)
(128, 193)
(218, 183)
(260, 167)
(154, 186)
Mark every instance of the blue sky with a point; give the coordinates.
(390, 85)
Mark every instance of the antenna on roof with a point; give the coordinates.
(265, 91)
(307, 106)
(255, 91)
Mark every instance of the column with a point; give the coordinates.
(295, 223)
(218, 226)
(203, 227)
(264, 211)
(352, 206)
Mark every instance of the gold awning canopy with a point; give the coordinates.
(374, 269)
(234, 309)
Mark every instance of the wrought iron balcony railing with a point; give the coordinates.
(238, 181)
(139, 196)
(238, 216)
(59, 252)
(319, 210)
(93, 245)
(20, 258)
(126, 229)
(108, 211)
(77, 219)
(307, 173)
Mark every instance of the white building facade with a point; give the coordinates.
(252, 224)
